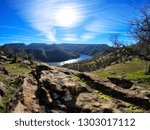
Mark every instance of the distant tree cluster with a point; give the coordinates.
(99, 62)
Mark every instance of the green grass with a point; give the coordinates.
(133, 70)
(103, 96)
(75, 77)
(18, 69)
(3, 104)
(2, 76)
(12, 83)
(132, 107)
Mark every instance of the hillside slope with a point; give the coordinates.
(51, 56)
(133, 69)
(43, 52)
(89, 49)
(30, 86)
(40, 87)
(52, 89)
(99, 61)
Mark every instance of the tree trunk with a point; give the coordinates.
(14, 59)
(148, 71)
(147, 68)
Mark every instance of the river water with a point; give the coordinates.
(81, 58)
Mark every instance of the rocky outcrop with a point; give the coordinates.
(122, 93)
(52, 89)
(124, 83)
(2, 90)
(26, 62)
(3, 70)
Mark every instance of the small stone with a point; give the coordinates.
(36, 110)
(96, 104)
(34, 97)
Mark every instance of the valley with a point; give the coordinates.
(117, 84)
(82, 57)
(58, 52)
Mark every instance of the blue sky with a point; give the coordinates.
(66, 21)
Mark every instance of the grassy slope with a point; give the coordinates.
(133, 70)
(16, 69)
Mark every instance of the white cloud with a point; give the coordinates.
(15, 42)
(70, 39)
(43, 15)
(54, 19)
(88, 36)
(70, 35)
(105, 26)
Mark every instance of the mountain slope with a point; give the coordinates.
(16, 45)
(29, 86)
(133, 70)
(90, 49)
(43, 52)
(60, 55)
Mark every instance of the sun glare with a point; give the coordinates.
(66, 17)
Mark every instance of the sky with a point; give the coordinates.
(67, 21)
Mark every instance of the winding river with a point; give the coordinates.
(81, 58)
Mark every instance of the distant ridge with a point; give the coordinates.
(89, 49)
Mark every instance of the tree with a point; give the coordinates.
(140, 30)
(114, 38)
(14, 58)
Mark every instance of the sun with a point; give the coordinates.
(66, 17)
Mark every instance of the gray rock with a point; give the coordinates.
(2, 89)
(26, 62)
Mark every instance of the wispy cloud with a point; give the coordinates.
(84, 20)
(113, 18)
(88, 36)
(70, 37)
(45, 15)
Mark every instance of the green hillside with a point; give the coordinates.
(133, 70)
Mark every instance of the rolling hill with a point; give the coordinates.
(43, 52)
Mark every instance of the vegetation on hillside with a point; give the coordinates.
(133, 70)
(99, 62)
(12, 73)
(125, 61)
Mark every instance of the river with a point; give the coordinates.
(81, 58)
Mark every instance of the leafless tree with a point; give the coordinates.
(140, 30)
(114, 38)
